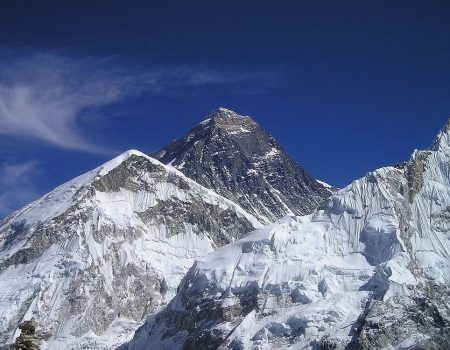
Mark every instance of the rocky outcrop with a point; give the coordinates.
(27, 340)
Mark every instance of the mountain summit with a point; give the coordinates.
(370, 269)
(232, 155)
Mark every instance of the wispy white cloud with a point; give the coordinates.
(43, 96)
(17, 185)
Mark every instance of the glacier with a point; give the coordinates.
(370, 269)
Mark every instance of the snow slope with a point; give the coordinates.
(370, 269)
(92, 258)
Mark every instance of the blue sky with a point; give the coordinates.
(344, 86)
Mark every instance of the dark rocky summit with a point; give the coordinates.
(27, 340)
(232, 155)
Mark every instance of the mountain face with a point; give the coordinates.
(91, 259)
(369, 270)
(232, 155)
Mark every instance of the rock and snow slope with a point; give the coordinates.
(232, 155)
(92, 258)
(370, 269)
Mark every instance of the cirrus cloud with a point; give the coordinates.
(43, 96)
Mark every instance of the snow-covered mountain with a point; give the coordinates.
(368, 270)
(232, 155)
(91, 259)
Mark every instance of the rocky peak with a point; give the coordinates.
(224, 113)
(234, 156)
(228, 120)
(219, 124)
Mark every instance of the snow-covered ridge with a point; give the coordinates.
(324, 184)
(90, 259)
(62, 197)
(370, 269)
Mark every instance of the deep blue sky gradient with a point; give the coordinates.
(351, 85)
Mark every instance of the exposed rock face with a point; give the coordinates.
(402, 323)
(369, 270)
(27, 340)
(91, 259)
(232, 155)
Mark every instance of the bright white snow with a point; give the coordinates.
(45, 282)
(313, 275)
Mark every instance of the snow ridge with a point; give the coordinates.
(90, 259)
